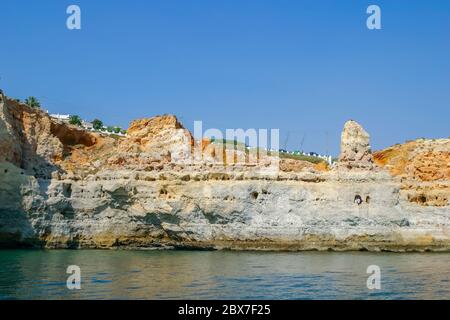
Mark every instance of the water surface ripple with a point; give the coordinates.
(109, 274)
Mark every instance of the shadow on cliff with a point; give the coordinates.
(16, 188)
(14, 226)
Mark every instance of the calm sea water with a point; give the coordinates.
(39, 274)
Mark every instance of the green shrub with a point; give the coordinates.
(33, 102)
(75, 120)
(97, 124)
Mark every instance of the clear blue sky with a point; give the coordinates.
(304, 67)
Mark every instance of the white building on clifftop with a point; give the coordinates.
(62, 117)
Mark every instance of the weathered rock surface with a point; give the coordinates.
(355, 147)
(63, 187)
(424, 169)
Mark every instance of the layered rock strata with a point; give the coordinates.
(63, 187)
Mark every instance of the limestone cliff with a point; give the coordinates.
(64, 187)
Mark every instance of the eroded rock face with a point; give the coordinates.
(9, 145)
(31, 140)
(355, 148)
(100, 192)
(291, 165)
(424, 169)
(162, 135)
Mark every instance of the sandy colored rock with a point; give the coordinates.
(292, 165)
(424, 169)
(355, 147)
(62, 187)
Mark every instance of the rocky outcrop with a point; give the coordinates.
(355, 148)
(159, 137)
(10, 146)
(63, 187)
(34, 142)
(424, 169)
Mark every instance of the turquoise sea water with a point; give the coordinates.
(110, 274)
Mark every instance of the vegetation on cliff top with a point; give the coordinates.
(75, 120)
(33, 102)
